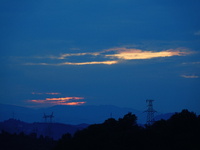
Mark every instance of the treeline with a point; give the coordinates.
(180, 132)
(21, 141)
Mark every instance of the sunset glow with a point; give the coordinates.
(118, 53)
(74, 103)
(60, 101)
(64, 98)
(78, 64)
(130, 54)
(91, 63)
(99, 52)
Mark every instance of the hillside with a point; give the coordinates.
(89, 114)
(53, 130)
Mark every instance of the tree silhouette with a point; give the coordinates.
(128, 121)
(180, 132)
(23, 142)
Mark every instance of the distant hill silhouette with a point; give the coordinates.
(89, 114)
(180, 132)
(52, 130)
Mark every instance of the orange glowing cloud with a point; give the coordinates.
(130, 54)
(91, 63)
(78, 64)
(60, 101)
(64, 98)
(37, 101)
(74, 103)
(113, 56)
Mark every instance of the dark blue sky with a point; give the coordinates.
(99, 52)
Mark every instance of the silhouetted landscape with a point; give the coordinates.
(180, 132)
(46, 129)
(73, 114)
(84, 75)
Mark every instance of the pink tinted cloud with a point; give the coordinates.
(74, 103)
(64, 98)
(60, 101)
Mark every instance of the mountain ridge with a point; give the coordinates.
(89, 114)
(52, 130)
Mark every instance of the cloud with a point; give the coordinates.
(197, 33)
(110, 56)
(74, 103)
(34, 93)
(78, 64)
(191, 63)
(64, 99)
(64, 56)
(131, 54)
(33, 64)
(60, 101)
(53, 93)
(91, 63)
(190, 76)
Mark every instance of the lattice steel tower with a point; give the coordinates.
(48, 122)
(150, 112)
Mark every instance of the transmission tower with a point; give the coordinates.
(51, 117)
(48, 122)
(45, 117)
(150, 112)
(48, 116)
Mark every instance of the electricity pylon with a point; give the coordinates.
(150, 112)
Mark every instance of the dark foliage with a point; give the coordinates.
(180, 132)
(24, 142)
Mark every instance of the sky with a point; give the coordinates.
(101, 52)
